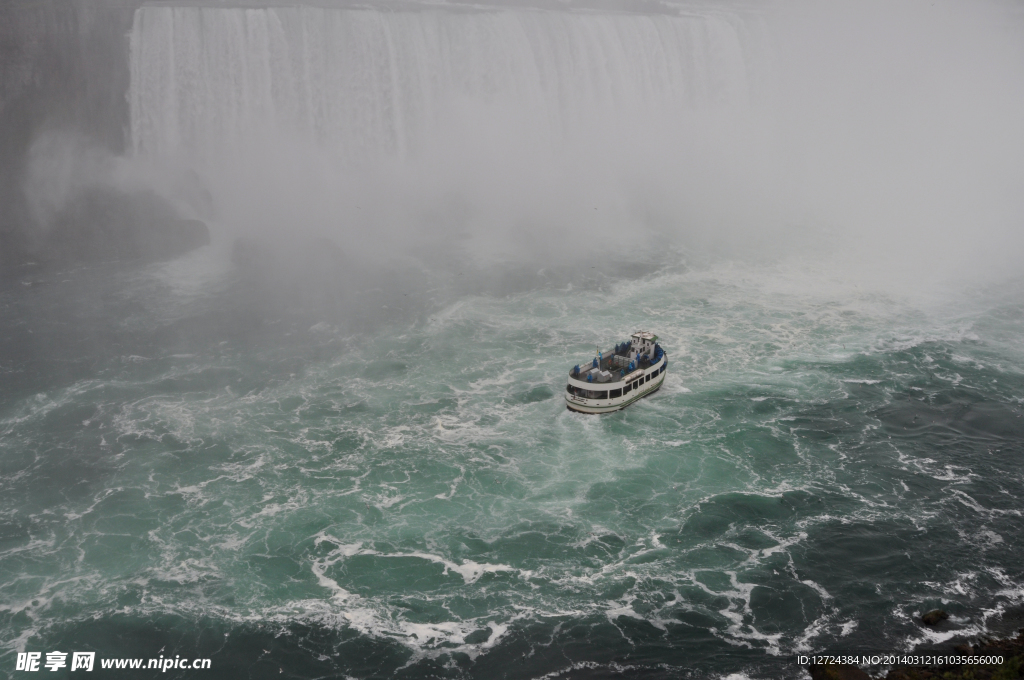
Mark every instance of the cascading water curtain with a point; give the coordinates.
(367, 84)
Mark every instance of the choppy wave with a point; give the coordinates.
(818, 471)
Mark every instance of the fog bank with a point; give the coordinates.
(884, 139)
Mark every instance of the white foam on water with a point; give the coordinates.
(932, 636)
(453, 486)
(469, 570)
(614, 610)
(971, 503)
(378, 620)
(41, 404)
(498, 472)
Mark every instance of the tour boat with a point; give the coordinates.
(615, 379)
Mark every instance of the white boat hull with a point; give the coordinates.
(579, 394)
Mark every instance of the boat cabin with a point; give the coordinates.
(615, 379)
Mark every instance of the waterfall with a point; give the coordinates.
(366, 83)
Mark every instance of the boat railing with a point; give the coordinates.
(616, 364)
(618, 361)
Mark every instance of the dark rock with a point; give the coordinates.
(837, 672)
(63, 64)
(933, 617)
(1011, 652)
(64, 68)
(104, 224)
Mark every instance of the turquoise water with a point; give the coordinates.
(292, 494)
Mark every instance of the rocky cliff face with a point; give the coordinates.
(64, 67)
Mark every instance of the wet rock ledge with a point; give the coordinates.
(1012, 668)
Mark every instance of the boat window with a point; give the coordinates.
(616, 394)
(647, 377)
(636, 383)
(627, 388)
(568, 388)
